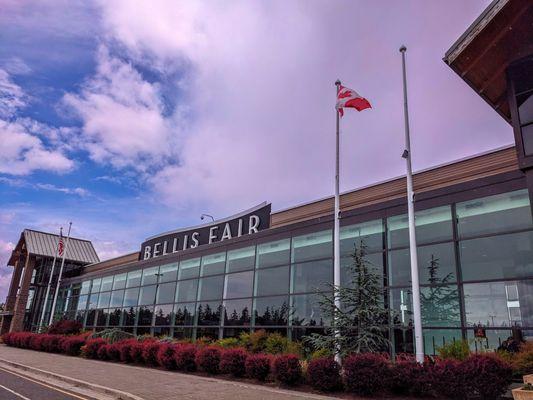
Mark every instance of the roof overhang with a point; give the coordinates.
(502, 34)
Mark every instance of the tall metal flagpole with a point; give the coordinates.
(336, 230)
(59, 277)
(415, 284)
(50, 279)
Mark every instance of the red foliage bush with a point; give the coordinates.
(165, 356)
(136, 352)
(149, 352)
(488, 377)
(410, 377)
(37, 342)
(90, 350)
(51, 343)
(113, 352)
(233, 362)
(450, 381)
(258, 366)
(102, 352)
(185, 357)
(365, 373)
(72, 345)
(208, 359)
(124, 348)
(65, 327)
(287, 369)
(324, 374)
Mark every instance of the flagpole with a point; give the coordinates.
(336, 230)
(59, 277)
(415, 284)
(50, 281)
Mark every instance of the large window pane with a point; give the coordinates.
(163, 315)
(96, 285)
(213, 264)
(209, 313)
(128, 316)
(130, 297)
(117, 298)
(492, 340)
(134, 279)
(166, 293)
(435, 338)
(239, 285)
(189, 268)
(432, 225)
(273, 253)
(312, 246)
(147, 295)
(119, 282)
(439, 306)
(499, 213)
(82, 303)
(241, 259)
(114, 317)
(186, 290)
(107, 283)
(211, 288)
(271, 311)
(369, 234)
(237, 312)
(85, 286)
(311, 276)
(168, 273)
(436, 264)
(499, 304)
(272, 281)
(150, 276)
(184, 313)
(146, 314)
(93, 300)
(496, 257)
(103, 300)
(306, 311)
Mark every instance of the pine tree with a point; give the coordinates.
(362, 319)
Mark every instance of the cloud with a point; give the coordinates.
(5, 272)
(16, 66)
(12, 97)
(77, 191)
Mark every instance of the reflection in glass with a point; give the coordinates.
(186, 290)
(119, 282)
(184, 313)
(306, 311)
(114, 317)
(237, 312)
(166, 293)
(150, 276)
(107, 283)
(370, 233)
(272, 281)
(273, 253)
(312, 246)
(130, 297)
(239, 285)
(163, 314)
(96, 285)
(189, 268)
(209, 313)
(311, 276)
(146, 314)
(213, 264)
(241, 259)
(168, 273)
(271, 310)
(147, 295)
(435, 338)
(117, 298)
(211, 288)
(85, 286)
(128, 316)
(103, 300)
(134, 279)
(499, 213)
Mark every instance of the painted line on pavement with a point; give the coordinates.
(42, 384)
(15, 393)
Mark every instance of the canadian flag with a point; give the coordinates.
(349, 98)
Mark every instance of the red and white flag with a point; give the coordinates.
(60, 245)
(348, 98)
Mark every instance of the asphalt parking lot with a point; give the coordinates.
(17, 387)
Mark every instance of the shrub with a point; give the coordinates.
(275, 343)
(208, 359)
(65, 327)
(365, 373)
(113, 352)
(522, 362)
(255, 341)
(185, 357)
(101, 353)
(287, 369)
(455, 350)
(90, 350)
(488, 376)
(112, 335)
(149, 352)
(136, 352)
(449, 379)
(36, 342)
(258, 366)
(51, 343)
(407, 376)
(324, 374)
(228, 343)
(72, 345)
(233, 362)
(124, 348)
(165, 356)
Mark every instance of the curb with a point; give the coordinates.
(118, 394)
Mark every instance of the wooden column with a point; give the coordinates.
(17, 322)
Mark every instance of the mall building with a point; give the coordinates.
(261, 269)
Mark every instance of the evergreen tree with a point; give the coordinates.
(361, 323)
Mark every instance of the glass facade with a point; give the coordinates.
(475, 265)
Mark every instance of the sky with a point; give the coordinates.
(131, 118)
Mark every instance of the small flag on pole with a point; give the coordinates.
(60, 245)
(349, 98)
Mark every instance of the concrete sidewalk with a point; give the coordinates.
(150, 384)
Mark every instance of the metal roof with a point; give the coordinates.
(45, 244)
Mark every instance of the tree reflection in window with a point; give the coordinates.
(209, 313)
